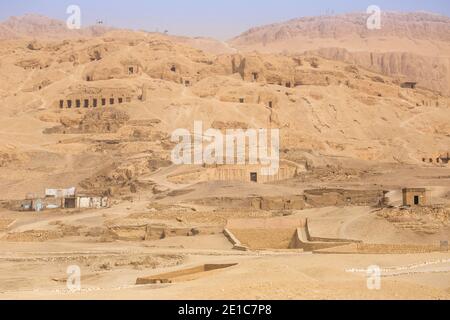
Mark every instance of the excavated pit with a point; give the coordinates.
(281, 233)
(183, 275)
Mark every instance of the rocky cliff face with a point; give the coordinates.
(425, 26)
(429, 72)
(412, 46)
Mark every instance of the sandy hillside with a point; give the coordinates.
(330, 109)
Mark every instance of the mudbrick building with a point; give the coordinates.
(415, 197)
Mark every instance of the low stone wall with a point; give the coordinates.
(150, 232)
(283, 203)
(316, 198)
(303, 240)
(341, 197)
(296, 202)
(237, 245)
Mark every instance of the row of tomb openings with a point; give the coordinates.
(255, 76)
(95, 102)
(133, 70)
(86, 103)
(438, 160)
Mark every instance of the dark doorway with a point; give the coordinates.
(86, 103)
(241, 100)
(103, 102)
(254, 177)
(120, 100)
(69, 103)
(69, 203)
(130, 70)
(78, 103)
(111, 101)
(255, 76)
(270, 104)
(94, 103)
(61, 104)
(173, 69)
(416, 200)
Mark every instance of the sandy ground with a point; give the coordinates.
(264, 276)
(37, 270)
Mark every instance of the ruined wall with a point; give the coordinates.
(244, 173)
(147, 232)
(340, 197)
(437, 158)
(282, 203)
(99, 120)
(295, 202)
(231, 202)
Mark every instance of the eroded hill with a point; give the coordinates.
(98, 112)
(412, 46)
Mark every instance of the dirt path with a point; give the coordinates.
(44, 223)
(342, 231)
(160, 177)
